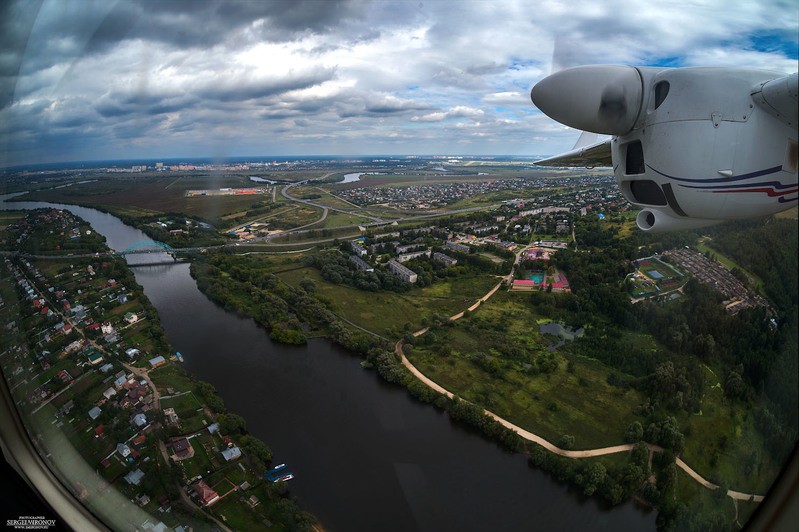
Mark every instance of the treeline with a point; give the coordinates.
(615, 485)
(262, 297)
(768, 248)
(390, 368)
(245, 285)
(757, 358)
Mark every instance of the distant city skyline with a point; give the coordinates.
(146, 80)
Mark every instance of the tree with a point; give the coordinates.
(734, 386)
(634, 432)
(232, 424)
(308, 285)
(566, 441)
(593, 478)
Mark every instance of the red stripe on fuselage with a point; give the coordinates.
(770, 191)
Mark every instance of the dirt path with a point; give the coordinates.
(587, 453)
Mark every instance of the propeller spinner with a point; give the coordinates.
(597, 98)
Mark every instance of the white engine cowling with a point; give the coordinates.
(656, 221)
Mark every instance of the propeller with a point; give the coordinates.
(603, 99)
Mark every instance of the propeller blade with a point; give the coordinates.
(602, 99)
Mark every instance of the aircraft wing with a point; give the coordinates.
(597, 154)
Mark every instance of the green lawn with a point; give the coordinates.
(171, 375)
(200, 463)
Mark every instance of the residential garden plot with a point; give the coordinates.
(185, 402)
(201, 463)
(170, 376)
(79, 432)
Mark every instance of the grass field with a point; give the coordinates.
(578, 403)
(337, 219)
(387, 313)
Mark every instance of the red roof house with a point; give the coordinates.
(206, 495)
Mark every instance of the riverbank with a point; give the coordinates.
(76, 295)
(506, 433)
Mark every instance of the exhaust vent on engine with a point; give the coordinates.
(634, 158)
(647, 192)
(661, 91)
(791, 163)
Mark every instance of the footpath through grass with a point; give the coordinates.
(497, 358)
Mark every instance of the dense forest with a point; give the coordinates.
(759, 359)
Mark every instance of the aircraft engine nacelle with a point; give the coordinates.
(657, 221)
(707, 144)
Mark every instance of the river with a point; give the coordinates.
(366, 456)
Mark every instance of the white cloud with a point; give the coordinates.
(460, 111)
(410, 76)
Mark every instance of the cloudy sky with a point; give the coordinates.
(86, 80)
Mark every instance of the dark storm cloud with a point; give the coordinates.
(143, 102)
(250, 89)
(204, 23)
(16, 22)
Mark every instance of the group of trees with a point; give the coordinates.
(336, 268)
(197, 233)
(613, 484)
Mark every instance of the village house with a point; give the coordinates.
(139, 420)
(134, 477)
(234, 453)
(206, 495)
(181, 450)
(171, 416)
(123, 450)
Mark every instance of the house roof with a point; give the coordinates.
(181, 446)
(232, 453)
(134, 477)
(204, 492)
